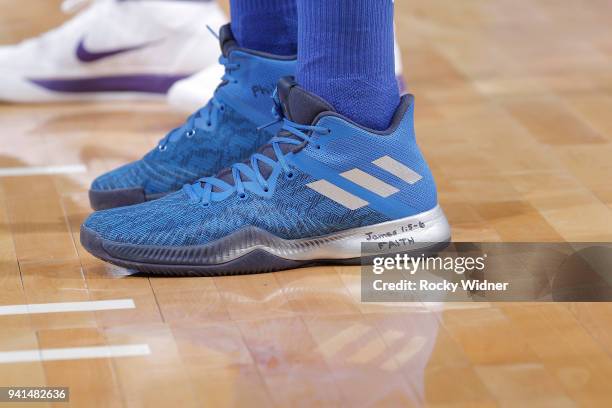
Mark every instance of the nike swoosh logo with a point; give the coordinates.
(86, 56)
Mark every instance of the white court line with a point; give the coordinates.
(41, 170)
(89, 306)
(74, 353)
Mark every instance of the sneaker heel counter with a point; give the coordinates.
(413, 154)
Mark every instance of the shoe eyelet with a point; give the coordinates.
(205, 205)
(266, 189)
(190, 133)
(222, 108)
(318, 147)
(242, 196)
(289, 176)
(329, 131)
(209, 124)
(162, 148)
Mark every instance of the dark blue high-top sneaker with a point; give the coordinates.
(219, 134)
(321, 187)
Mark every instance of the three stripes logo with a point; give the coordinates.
(366, 181)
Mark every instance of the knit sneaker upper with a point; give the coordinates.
(217, 135)
(321, 174)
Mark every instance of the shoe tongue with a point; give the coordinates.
(299, 105)
(227, 42)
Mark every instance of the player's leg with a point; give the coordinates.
(189, 93)
(265, 25)
(338, 174)
(346, 56)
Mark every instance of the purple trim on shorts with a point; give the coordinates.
(158, 84)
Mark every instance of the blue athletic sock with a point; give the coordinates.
(265, 25)
(345, 55)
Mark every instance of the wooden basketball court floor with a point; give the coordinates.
(514, 113)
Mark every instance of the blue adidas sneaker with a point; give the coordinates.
(321, 187)
(216, 136)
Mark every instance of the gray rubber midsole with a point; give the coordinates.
(421, 229)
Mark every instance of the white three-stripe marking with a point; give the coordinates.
(337, 194)
(398, 169)
(369, 182)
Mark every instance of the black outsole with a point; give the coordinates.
(107, 199)
(257, 261)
